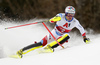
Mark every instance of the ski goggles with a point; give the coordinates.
(69, 14)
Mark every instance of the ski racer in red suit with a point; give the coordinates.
(65, 22)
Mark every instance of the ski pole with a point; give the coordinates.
(25, 25)
(51, 34)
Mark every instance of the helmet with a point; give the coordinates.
(70, 9)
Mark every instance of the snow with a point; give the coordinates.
(76, 52)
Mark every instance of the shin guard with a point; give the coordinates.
(32, 47)
(60, 40)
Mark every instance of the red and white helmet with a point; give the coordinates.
(70, 9)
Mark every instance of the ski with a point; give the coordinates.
(45, 51)
(14, 56)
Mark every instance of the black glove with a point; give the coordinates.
(86, 40)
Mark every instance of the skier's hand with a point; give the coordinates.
(55, 19)
(86, 40)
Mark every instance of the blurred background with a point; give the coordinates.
(87, 11)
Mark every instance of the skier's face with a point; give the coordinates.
(69, 16)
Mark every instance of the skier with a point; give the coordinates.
(65, 22)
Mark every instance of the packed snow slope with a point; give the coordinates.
(76, 52)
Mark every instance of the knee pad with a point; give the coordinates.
(44, 41)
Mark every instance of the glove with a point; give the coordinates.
(86, 40)
(55, 19)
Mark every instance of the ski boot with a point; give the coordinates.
(20, 53)
(49, 49)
